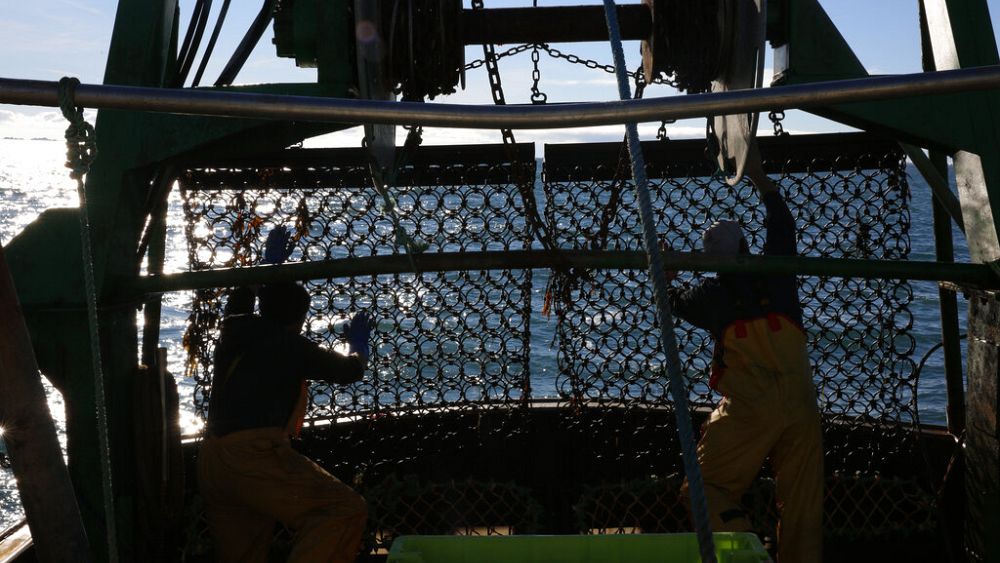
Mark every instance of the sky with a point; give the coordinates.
(48, 39)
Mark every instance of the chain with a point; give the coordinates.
(592, 64)
(776, 117)
(493, 71)
(537, 96)
(516, 50)
(661, 133)
(556, 54)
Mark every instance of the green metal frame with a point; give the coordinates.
(809, 48)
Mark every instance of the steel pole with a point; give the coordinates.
(973, 274)
(945, 253)
(548, 116)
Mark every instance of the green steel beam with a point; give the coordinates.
(938, 183)
(809, 48)
(978, 275)
(961, 36)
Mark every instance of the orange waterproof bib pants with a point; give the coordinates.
(252, 478)
(768, 409)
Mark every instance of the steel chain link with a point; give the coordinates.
(776, 117)
(558, 54)
(592, 64)
(661, 133)
(537, 96)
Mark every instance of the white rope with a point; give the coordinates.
(678, 391)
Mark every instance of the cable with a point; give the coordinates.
(248, 44)
(678, 392)
(202, 10)
(211, 43)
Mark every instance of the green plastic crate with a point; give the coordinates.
(620, 548)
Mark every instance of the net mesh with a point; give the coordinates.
(470, 385)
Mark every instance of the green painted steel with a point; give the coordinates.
(979, 275)
(812, 49)
(317, 34)
(809, 48)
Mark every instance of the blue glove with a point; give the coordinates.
(276, 247)
(358, 333)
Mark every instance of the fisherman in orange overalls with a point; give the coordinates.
(761, 368)
(248, 473)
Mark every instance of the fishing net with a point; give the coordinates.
(470, 386)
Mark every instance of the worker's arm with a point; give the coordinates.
(697, 304)
(326, 365)
(781, 238)
(693, 303)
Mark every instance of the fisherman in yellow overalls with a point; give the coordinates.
(248, 473)
(761, 368)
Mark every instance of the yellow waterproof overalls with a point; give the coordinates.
(768, 409)
(252, 478)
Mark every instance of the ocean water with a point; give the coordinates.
(33, 178)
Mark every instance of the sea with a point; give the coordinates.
(33, 178)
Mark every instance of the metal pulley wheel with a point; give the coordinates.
(733, 136)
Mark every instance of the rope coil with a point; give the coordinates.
(81, 139)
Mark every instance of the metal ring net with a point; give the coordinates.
(470, 384)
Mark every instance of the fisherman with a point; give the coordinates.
(761, 368)
(248, 473)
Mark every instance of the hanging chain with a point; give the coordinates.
(592, 64)
(556, 54)
(537, 96)
(493, 72)
(661, 133)
(525, 185)
(516, 50)
(776, 117)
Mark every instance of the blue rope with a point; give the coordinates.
(678, 391)
(81, 150)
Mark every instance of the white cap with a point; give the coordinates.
(723, 237)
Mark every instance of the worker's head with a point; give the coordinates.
(285, 304)
(724, 237)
